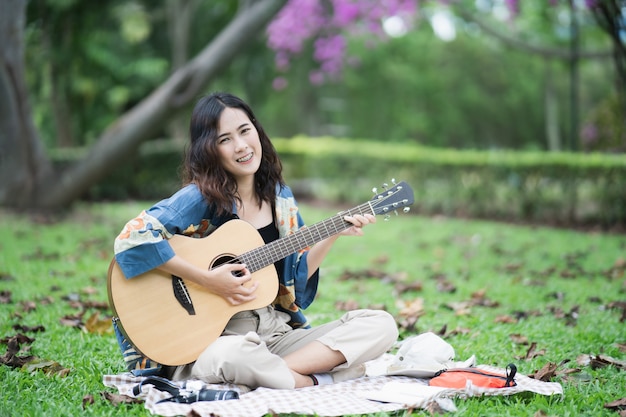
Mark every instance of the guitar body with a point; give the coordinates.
(148, 301)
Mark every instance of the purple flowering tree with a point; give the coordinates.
(324, 26)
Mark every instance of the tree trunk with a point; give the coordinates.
(121, 138)
(23, 163)
(551, 109)
(180, 13)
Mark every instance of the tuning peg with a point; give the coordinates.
(385, 185)
(406, 209)
(393, 181)
(375, 190)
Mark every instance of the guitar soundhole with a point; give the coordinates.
(224, 259)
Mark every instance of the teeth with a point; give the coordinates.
(245, 158)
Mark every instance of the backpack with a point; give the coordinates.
(458, 377)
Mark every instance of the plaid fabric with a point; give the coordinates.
(346, 398)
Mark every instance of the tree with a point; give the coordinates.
(27, 179)
(23, 164)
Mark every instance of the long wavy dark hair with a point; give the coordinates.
(202, 165)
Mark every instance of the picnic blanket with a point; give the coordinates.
(366, 395)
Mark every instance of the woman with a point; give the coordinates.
(232, 170)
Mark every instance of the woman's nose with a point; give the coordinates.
(240, 143)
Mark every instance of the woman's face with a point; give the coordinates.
(238, 144)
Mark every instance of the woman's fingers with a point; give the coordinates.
(358, 221)
(234, 288)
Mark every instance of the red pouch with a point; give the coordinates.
(457, 378)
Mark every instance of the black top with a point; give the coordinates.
(269, 234)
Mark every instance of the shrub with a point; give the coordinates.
(569, 189)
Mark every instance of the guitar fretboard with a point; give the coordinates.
(263, 256)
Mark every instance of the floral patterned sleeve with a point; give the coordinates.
(142, 244)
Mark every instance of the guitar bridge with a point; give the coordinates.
(182, 295)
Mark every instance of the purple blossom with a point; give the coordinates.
(329, 52)
(301, 21)
(513, 6)
(345, 13)
(279, 83)
(316, 77)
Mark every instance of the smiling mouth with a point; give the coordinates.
(245, 158)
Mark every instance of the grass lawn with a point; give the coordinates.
(528, 295)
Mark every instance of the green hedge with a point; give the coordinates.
(556, 188)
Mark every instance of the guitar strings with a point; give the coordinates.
(255, 258)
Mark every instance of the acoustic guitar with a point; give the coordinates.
(172, 321)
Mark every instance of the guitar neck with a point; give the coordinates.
(263, 256)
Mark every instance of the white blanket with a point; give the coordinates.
(367, 395)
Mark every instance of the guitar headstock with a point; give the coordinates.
(391, 199)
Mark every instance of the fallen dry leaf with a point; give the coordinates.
(5, 276)
(445, 286)
(47, 300)
(21, 339)
(571, 317)
(616, 405)
(5, 297)
(362, 274)
(461, 308)
(11, 357)
(348, 305)
(618, 305)
(479, 298)
(505, 319)
(117, 399)
(617, 270)
(73, 320)
(34, 329)
(401, 288)
(546, 373)
(88, 400)
(513, 267)
(599, 361)
(97, 325)
(28, 306)
(98, 305)
(413, 307)
(460, 331)
(518, 339)
(520, 315)
(409, 313)
(90, 290)
(48, 367)
(532, 353)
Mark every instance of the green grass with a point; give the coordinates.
(538, 273)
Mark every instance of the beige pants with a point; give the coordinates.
(250, 350)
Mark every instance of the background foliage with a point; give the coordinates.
(89, 63)
(558, 188)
